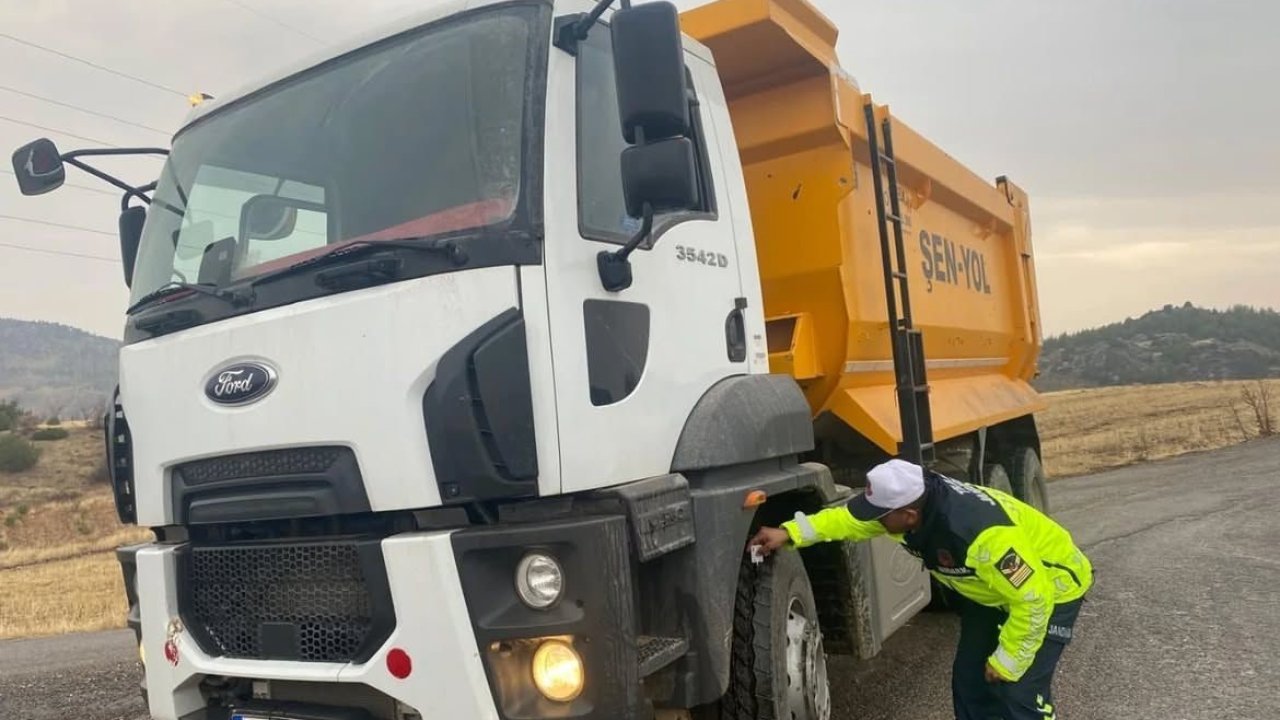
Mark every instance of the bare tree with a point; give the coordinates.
(90, 411)
(1258, 399)
(1235, 415)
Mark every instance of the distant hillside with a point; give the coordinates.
(1175, 344)
(52, 368)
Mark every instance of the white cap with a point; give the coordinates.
(890, 485)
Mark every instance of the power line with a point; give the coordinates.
(94, 65)
(57, 225)
(86, 138)
(58, 252)
(83, 109)
(90, 188)
(276, 20)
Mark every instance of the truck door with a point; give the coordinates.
(628, 366)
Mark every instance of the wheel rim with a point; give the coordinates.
(808, 697)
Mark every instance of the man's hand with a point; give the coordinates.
(769, 539)
(993, 676)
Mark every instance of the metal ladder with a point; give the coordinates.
(908, 344)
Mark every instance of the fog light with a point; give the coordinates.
(539, 580)
(557, 671)
(142, 654)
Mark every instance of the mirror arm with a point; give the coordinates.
(149, 187)
(128, 189)
(573, 29)
(615, 267)
(94, 152)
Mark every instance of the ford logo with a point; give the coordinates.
(240, 384)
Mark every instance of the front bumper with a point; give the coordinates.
(448, 678)
(455, 612)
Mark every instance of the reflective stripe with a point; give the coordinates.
(1068, 570)
(1006, 660)
(807, 531)
(1045, 709)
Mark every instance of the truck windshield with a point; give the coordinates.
(419, 135)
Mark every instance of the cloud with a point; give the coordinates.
(1145, 139)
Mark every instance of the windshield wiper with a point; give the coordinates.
(447, 247)
(232, 297)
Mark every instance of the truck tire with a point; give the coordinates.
(778, 670)
(1026, 475)
(995, 476)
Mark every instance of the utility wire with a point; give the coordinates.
(276, 20)
(58, 252)
(86, 138)
(94, 65)
(90, 188)
(83, 109)
(57, 225)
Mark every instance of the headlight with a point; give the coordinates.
(539, 580)
(557, 671)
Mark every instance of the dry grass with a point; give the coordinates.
(63, 529)
(63, 472)
(58, 530)
(85, 593)
(1088, 430)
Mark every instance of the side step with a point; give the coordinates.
(656, 653)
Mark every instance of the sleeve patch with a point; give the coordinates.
(1014, 568)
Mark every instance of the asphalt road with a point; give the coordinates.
(1183, 622)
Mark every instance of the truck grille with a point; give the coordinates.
(268, 463)
(313, 602)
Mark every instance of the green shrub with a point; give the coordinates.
(9, 414)
(54, 433)
(17, 454)
(53, 421)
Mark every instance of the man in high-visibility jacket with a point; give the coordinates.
(1021, 576)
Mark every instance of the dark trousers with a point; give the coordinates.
(1031, 698)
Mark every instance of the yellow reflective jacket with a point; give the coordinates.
(988, 546)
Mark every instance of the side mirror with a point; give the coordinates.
(267, 217)
(662, 175)
(38, 166)
(648, 61)
(131, 222)
(659, 171)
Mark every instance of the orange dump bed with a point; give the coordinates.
(802, 135)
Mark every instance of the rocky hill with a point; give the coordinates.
(54, 369)
(1173, 344)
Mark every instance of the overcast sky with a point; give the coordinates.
(1145, 130)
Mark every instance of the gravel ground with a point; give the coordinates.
(1183, 623)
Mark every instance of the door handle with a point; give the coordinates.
(735, 331)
